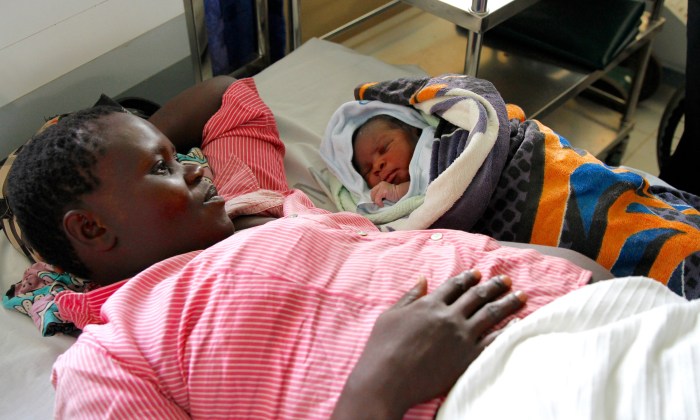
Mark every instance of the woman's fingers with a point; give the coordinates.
(479, 303)
(482, 294)
(494, 312)
(420, 289)
(454, 287)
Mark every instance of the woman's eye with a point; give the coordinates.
(161, 168)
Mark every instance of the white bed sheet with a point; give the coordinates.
(629, 349)
(303, 89)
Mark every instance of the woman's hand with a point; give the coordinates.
(420, 346)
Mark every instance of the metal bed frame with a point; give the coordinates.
(522, 80)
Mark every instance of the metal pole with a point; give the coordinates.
(295, 25)
(341, 29)
(479, 6)
(471, 61)
(263, 29)
(192, 32)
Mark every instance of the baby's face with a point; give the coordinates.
(383, 152)
(156, 206)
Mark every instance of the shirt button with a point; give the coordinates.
(436, 236)
(362, 233)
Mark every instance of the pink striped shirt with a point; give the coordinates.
(270, 322)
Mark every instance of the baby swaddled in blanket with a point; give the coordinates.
(379, 153)
(491, 171)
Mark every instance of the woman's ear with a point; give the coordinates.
(84, 229)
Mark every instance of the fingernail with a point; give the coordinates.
(473, 273)
(520, 295)
(506, 280)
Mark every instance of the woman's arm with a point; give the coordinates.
(420, 347)
(182, 118)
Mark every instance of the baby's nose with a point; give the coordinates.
(378, 166)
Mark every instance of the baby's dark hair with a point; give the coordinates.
(392, 121)
(51, 172)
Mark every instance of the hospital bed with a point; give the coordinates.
(291, 88)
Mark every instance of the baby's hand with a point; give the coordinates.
(386, 191)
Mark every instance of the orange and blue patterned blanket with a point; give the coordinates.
(534, 187)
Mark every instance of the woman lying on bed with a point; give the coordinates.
(191, 320)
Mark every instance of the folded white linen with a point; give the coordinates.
(627, 348)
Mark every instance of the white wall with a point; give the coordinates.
(670, 45)
(59, 55)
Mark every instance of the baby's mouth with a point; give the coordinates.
(390, 177)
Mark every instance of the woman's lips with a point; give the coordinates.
(212, 195)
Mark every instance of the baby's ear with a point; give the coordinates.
(86, 230)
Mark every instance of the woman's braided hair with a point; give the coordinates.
(51, 172)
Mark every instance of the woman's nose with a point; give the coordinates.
(193, 173)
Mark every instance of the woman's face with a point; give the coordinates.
(156, 206)
(383, 151)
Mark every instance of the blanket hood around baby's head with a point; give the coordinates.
(336, 145)
(470, 149)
